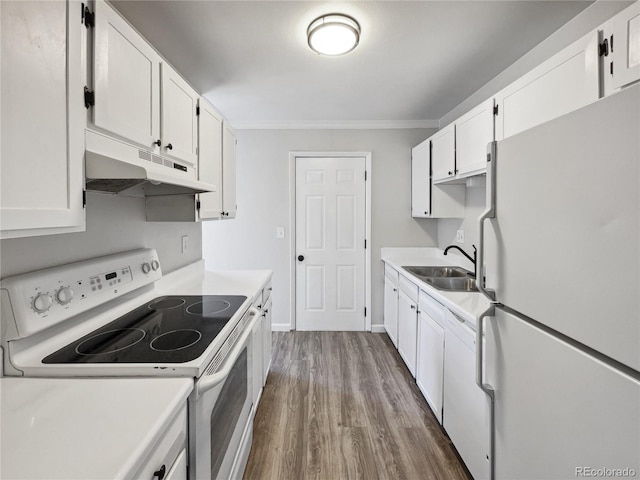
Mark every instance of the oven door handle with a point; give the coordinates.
(205, 384)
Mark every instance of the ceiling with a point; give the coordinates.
(416, 60)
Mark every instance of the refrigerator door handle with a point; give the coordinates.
(485, 387)
(489, 212)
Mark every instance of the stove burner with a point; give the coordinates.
(208, 307)
(175, 340)
(110, 341)
(166, 303)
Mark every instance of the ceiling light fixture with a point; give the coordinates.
(333, 34)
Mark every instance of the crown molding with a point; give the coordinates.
(337, 125)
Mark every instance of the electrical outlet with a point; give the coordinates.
(185, 243)
(460, 236)
(280, 232)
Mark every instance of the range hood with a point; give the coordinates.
(113, 166)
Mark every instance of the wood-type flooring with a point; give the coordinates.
(342, 405)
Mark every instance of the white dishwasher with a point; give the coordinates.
(466, 409)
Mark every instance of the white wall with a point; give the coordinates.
(249, 241)
(474, 205)
(114, 224)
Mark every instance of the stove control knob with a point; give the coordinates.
(155, 265)
(42, 302)
(146, 267)
(64, 295)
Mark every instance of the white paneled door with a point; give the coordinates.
(330, 243)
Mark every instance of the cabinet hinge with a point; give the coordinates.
(198, 205)
(603, 48)
(611, 43)
(611, 68)
(365, 311)
(495, 109)
(84, 199)
(197, 110)
(88, 18)
(89, 98)
(365, 243)
(365, 175)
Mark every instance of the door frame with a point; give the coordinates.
(292, 223)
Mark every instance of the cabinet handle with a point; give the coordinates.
(413, 307)
(169, 146)
(395, 289)
(450, 172)
(160, 473)
(157, 142)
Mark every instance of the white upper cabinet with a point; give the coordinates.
(625, 46)
(428, 200)
(229, 144)
(443, 153)
(179, 125)
(210, 160)
(567, 81)
(420, 180)
(126, 73)
(474, 131)
(42, 117)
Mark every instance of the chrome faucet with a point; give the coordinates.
(472, 260)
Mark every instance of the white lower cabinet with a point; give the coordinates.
(466, 407)
(430, 361)
(408, 323)
(168, 458)
(391, 304)
(266, 341)
(257, 341)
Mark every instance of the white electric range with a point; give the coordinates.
(105, 318)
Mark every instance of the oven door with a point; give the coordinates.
(219, 410)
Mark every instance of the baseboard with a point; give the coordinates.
(281, 327)
(378, 329)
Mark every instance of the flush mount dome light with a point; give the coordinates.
(333, 34)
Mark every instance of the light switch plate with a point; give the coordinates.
(460, 236)
(185, 243)
(280, 232)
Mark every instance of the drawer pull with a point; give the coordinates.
(160, 473)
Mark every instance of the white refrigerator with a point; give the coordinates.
(560, 250)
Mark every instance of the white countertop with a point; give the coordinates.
(468, 305)
(83, 428)
(195, 280)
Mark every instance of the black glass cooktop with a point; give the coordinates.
(173, 329)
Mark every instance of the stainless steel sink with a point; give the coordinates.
(438, 271)
(452, 279)
(453, 284)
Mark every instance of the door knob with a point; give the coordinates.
(300, 258)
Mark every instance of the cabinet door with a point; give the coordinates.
(430, 362)
(391, 310)
(257, 341)
(42, 118)
(126, 73)
(443, 153)
(474, 131)
(179, 120)
(420, 180)
(210, 159)
(567, 81)
(228, 172)
(626, 46)
(178, 470)
(407, 331)
(266, 348)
